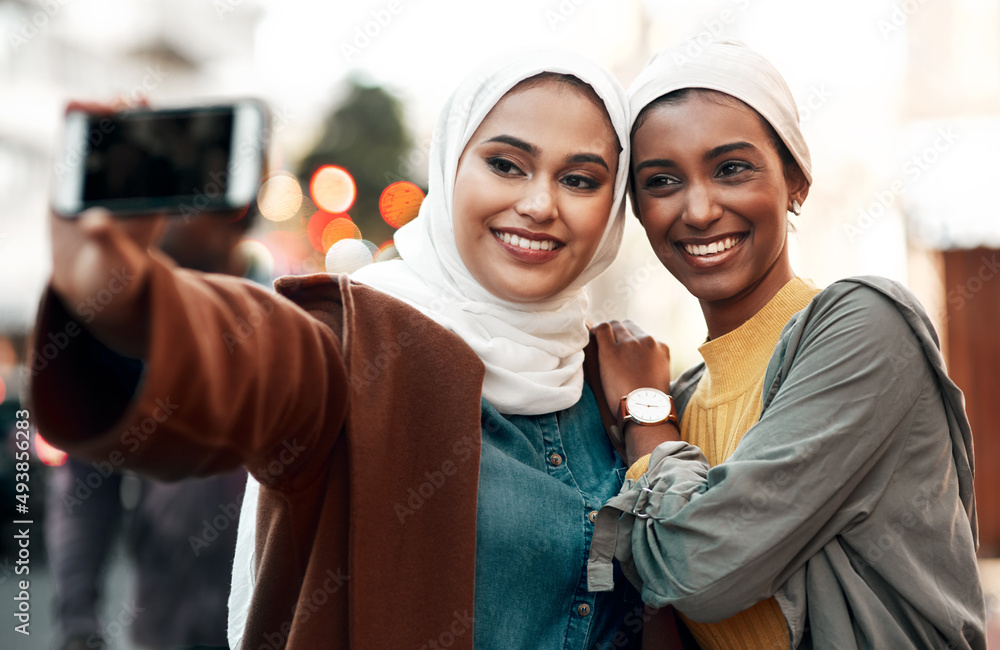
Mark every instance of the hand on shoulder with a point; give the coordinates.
(630, 358)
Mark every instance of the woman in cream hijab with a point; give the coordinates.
(817, 490)
(525, 206)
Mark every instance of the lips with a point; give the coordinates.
(526, 240)
(718, 246)
(710, 252)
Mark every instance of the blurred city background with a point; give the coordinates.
(899, 99)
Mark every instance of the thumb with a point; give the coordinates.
(94, 248)
(144, 232)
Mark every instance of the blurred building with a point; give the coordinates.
(94, 50)
(952, 120)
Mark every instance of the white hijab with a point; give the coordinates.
(533, 351)
(732, 68)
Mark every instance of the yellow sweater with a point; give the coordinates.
(724, 406)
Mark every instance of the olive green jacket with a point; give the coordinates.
(851, 500)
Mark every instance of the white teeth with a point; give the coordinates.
(525, 243)
(714, 247)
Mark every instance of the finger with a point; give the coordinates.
(146, 230)
(622, 332)
(634, 330)
(125, 102)
(95, 222)
(604, 334)
(89, 107)
(135, 234)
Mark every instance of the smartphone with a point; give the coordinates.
(181, 161)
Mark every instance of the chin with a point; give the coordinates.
(709, 289)
(526, 298)
(519, 292)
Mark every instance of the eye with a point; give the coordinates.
(503, 166)
(733, 167)
(581, 182)
(660, 181)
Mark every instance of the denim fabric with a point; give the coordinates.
(540, 479)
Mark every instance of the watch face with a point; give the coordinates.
(648, 405)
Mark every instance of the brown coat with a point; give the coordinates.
(359, 416)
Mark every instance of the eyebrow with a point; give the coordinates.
(726, 148)
(515, 142)
(534, 151)
(588, 157)
(715, 152)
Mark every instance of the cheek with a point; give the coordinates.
(594, 220)
(658, 215)
(468, 202)
(477, 197)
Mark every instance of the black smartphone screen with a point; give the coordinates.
(157, 155)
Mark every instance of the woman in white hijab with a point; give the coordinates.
(525, 206)
(816, 491)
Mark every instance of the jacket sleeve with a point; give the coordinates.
(713, 541)
(235, 375)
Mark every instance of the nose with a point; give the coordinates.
(701, 209)
(537, 203)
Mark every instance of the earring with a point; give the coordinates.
(796, 207)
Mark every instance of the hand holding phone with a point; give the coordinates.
(99, 268)
(179, 161)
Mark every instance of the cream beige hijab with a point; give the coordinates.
(729, 67)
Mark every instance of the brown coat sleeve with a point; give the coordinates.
(235, 375)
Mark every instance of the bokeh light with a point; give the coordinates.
(386, 252)
(332, 189)
(48, 454)
(339, 228)
(400, 203)
(279, 197)
(372, 247)
(259, 258)
(314, 229)
(347, 256)
(3, 389)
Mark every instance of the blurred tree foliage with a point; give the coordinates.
(365, 135)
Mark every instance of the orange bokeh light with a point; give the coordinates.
(314, 229)
(340, 228)
(332, 189)
(400, 203)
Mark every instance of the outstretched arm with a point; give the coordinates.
(231, 373)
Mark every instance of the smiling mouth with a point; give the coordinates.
(700, 250)
(525, 243)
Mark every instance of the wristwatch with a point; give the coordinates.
(646, 406)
